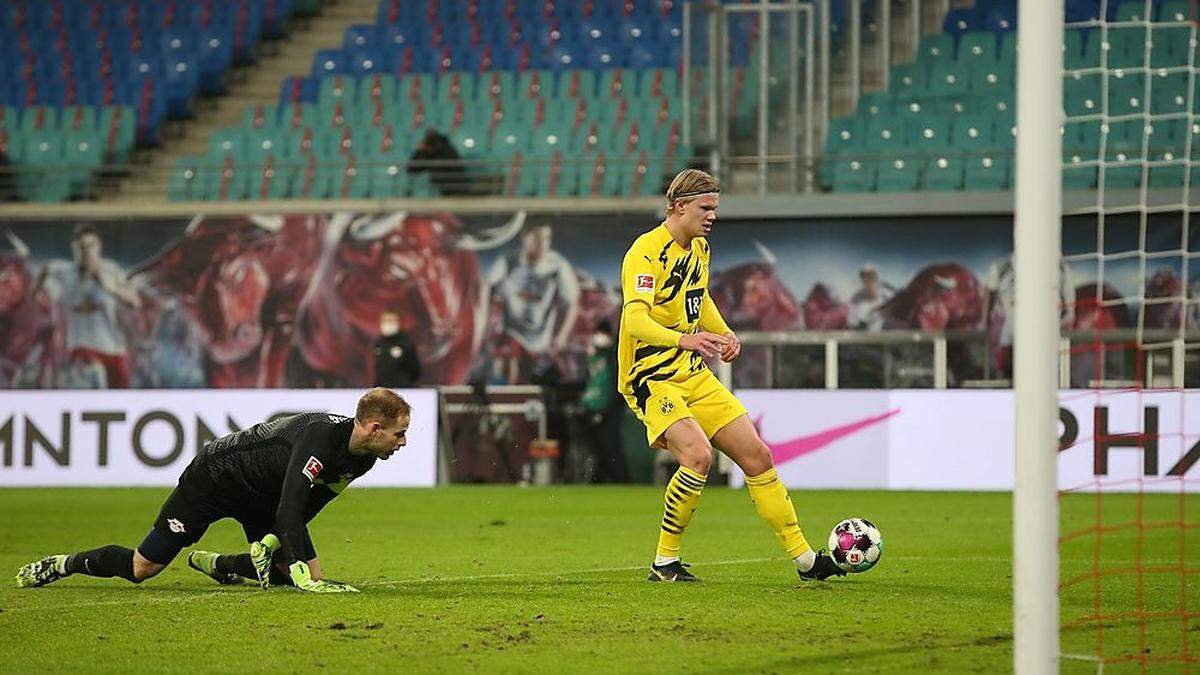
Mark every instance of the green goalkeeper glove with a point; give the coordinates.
(302, 577)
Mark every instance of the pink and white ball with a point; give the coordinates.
(856, 545)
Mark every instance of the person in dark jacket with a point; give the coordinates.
(396, 362)
(436, 154)
(602, 408)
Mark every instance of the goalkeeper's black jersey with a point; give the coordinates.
(283, 471)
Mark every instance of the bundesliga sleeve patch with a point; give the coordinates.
(645, 283)
(312, 468)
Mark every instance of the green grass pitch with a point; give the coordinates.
(504, 579)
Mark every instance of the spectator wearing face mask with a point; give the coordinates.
(602, 408)
(396, 362)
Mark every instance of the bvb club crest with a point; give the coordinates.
(666, 406)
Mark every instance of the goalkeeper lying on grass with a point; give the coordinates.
(273, 478)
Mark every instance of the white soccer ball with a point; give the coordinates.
(855, 544)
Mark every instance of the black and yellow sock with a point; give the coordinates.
(770, 498)
(679, 503)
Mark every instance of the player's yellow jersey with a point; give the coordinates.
(673, 282)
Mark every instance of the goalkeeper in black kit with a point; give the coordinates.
(273, 478)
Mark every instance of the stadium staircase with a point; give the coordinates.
(256, 86)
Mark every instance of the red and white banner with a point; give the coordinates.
(110, 438)
(963, 440)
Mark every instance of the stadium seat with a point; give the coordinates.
(986, 172)
(1081, 94)
(853, 175)
(1177, 10)
(909, 79)
(897, 174)
(936, 49)
(949, 79)
(188, 180)
(973, 133)
(977, 47)
(942, 173)
(1126, 93)
(842, 135)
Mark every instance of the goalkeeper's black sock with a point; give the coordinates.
(106, 561)
(279, 578)
(236, 563)
(241, 565)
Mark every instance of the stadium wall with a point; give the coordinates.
(125, 438)
(963, 440)
(293, 301)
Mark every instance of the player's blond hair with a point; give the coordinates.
(381, 405)
(689, 184)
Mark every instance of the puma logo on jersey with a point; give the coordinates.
(311, 468)
(337, 418)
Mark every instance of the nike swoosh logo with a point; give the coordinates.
(796, 447)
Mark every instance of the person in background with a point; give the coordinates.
(538, 296)
(602, 408)
(866, 301)
(396, 362)
(445, 167)
(91, 292)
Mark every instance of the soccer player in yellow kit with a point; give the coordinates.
(669, 326)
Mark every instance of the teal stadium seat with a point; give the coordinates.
(897, 174)
(1089, 53)
(977, 47)
(1126, 93)
(949, 79)
(909, 80)
(1177, 10)
(377, 88)
(270, 179)
(42, 178)
(389, 179)
(936, 49)
(843, 134)
(39, 118)
(1081, 94)
(1126, 48)
(1169, 92)
(973, 134)
(943, 173)
(884, 134)
(83, 154)
(1170, 46)
(1008, 49)
(853, 175)
(986, 173)
(79, 118)
(188, 180)
(927, 135)
(874, 104)
(456, 85)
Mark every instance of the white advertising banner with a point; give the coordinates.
(963, 440)
(147, 437)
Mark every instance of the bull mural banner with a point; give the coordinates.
(1111, 441)
(295, 301)
(119, 438)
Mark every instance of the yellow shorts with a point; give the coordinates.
(701, 397)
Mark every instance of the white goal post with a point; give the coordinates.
(1037, 225)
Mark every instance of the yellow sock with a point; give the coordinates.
(679, 503)
(770, 497)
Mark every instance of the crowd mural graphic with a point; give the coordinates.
(295, 301)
